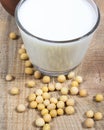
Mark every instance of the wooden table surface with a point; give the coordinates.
(91, 68)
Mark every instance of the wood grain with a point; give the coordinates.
(91, 68)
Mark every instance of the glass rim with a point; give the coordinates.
(54, 41)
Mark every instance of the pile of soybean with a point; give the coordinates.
(51, 107)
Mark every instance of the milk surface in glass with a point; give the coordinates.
(55, 21)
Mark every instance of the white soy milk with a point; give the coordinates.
(56, 20)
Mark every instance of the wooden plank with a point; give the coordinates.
(92, 69)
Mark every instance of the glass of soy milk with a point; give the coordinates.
(57, 33)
